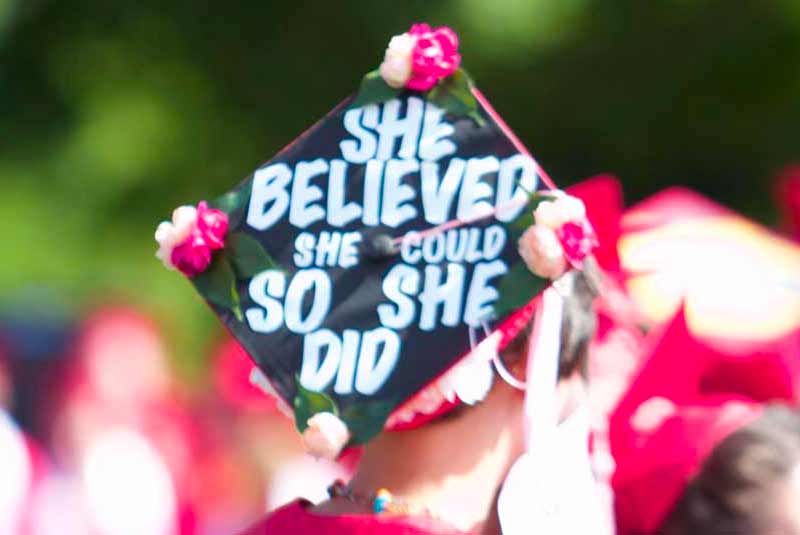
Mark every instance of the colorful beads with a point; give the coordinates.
(382, 500)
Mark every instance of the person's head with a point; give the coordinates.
(579, 322)
(749, 484)
(490, 434)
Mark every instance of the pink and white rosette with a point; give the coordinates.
(560, 238)
(187, 242)
(420, 58)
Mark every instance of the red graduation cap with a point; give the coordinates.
(671, 419)
(788, 197)
(603, 197)
(738, 280)
(663, 459)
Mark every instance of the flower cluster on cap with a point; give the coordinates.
(186, 242)
(560, 238)
(420, 58)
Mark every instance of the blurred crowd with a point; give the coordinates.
(99, 434)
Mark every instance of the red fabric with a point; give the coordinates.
(232, 368)
(788, 197)
(701, 393)
(660, 462)
(668, 206)
(677, 245)
(602, 195)
(703, 380)
(685, 367)
(295, 519)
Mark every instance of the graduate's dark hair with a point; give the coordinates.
(579, 322)
(578, 326)
(738, 490)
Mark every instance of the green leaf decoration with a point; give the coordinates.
(307, 403)
(519, 285)
(538, 197)
(233, 203)
(525, 218)
(237, 305)
(218, 284)
(374, 90)
(520, 224)
(366, 420)
(247, 255)
(454, 95)
(516, 288)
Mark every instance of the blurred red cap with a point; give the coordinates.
(232, 369)
(668, 445)
(788, 197)
(602, 195)
(690, 394)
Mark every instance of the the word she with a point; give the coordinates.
(432, 286)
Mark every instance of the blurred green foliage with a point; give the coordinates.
(112, 113)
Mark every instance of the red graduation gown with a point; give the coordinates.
(296, 519)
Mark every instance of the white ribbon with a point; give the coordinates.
(551, 488)
(544, 346)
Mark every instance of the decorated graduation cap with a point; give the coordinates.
(375, 266)
(788, 196)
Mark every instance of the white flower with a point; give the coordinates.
(171, 234)
(260, 381)
(396, 66)
(541, 250)
(325, 435)
(563, 209)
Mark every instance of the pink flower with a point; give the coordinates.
(325, 435)
(186, 243)
(421, 57)
(435, 56)
(569, 229)
(578, 240)
(542, 252)
(193, 256)
(213, 224)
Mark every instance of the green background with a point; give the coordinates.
(114, 112)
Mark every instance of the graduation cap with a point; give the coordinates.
(672, 444)
(361, 262)
(687, 398)
(680, 247)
